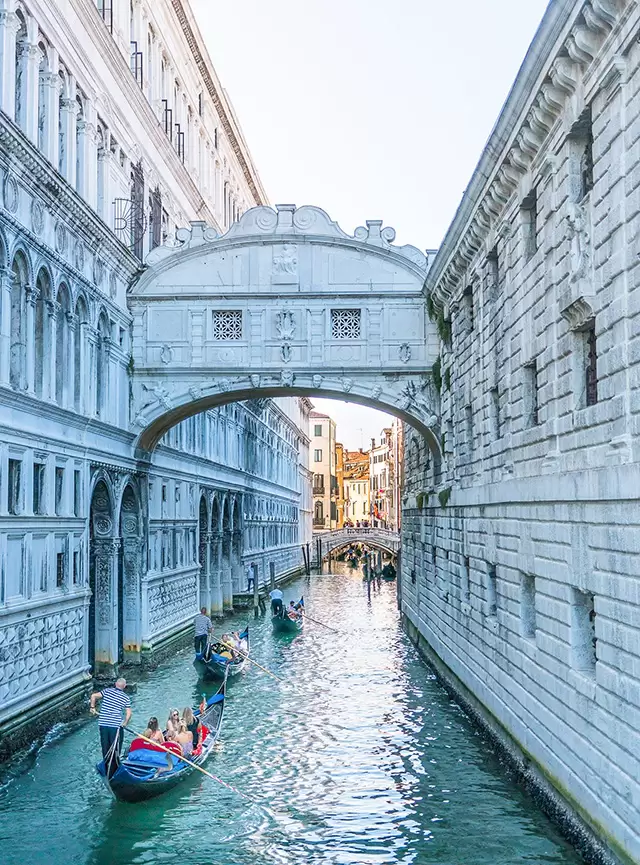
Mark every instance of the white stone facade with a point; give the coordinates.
(521, 550)
(104, 557)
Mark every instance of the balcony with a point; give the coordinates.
(318, 491)
(318, 524)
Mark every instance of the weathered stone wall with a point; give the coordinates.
(520, 552)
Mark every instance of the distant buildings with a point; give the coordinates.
(384, 478)
(323, 467)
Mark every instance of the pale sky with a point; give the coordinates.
(370, 109)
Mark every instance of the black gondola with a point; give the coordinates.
(284, 624)
(145, 772)
(214, 667)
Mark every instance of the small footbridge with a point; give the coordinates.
(381, 539)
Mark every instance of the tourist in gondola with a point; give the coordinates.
(184, 738)
(153, 731)
(193, 726)
(115, 712)
(173, 722)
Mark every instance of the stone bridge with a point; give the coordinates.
(284, 304)
(384, 539)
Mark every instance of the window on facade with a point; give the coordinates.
(583, 631)
(105, 8)
(496, 420)
(38, 488)
(531, 394)
(493, 274)
(317, 430)
(590, 360)
(468, 432)
(227, 324)
(586, 162)
(77, 493)
(14, 486)
(466, 580)
(345, 323)
(60, 570)
(318, 482)
(529, 209)
(59, 490)
(318, 512)
(76, 568)
(492, 591)
(528, 606)
(317, 456)
(467, 302)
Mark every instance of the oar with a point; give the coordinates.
(317, 622)
(242, 654)
(189, 763)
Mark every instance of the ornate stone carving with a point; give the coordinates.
(285, 352)
(10, 193)
(286, 378)
(255, 380)
(578, 313)
(160, 393)
(60, 238)
(224, 384)
(37, 216)
(166, 354)
(404, 352)
(285, 325)
(578, 234)
(171, 602)
(195, 391)
(78, 255)
(317, 380)
(98, 271)
(285, 263)
(376, 392)
(347, 384)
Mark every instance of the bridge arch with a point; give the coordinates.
(284, 304)
(381, 539)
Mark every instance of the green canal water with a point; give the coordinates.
(361, 758)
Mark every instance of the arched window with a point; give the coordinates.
(43, 333)
(21, 56)
(17, 360)
(79, 353)
(43, 99)
(318, 512)
(80, 145)
(102, 368)
(63, 346)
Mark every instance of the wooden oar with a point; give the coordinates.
(188, 762)
(243, 655)
(317, 622)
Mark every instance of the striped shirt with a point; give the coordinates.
(114, 702)
(202, 625)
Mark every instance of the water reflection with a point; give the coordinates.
(358, 757)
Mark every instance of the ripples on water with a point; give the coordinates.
(360, 759)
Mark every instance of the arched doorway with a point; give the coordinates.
(103, 575)
(129, 578)
(215, 582)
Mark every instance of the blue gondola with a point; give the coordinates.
(283, 624)
(213, 667)
(144, 772)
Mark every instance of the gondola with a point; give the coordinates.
(284, 625)
(144, 772)
(213, 667)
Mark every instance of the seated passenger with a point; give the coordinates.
(291, 611)
(172, 724)
(154, 732)
(184, 738)
(193, 726)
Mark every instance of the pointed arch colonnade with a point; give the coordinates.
(220, 550)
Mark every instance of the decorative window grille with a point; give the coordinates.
(345, 323)
(105, 8)
(227, 324)
(137, 64)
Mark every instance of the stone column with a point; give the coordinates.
(30, 62)
(49, 375)
(227, 587)
(51, 86)
(131, 619)
(89, 391)
(9, 26)
(6, 280)
(90, 178)
(68, 111)
(105, 556)
(28, 377)
(217, 603)
(205, 568)
(69, 384)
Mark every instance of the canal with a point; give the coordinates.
(360, 759)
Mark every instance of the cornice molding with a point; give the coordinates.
(220, 104)
(546, 81)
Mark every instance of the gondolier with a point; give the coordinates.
(202, 629)
(276, 602)
(115, 712)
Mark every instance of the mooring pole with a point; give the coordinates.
(256, 590)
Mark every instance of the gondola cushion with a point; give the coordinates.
(143, 745)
